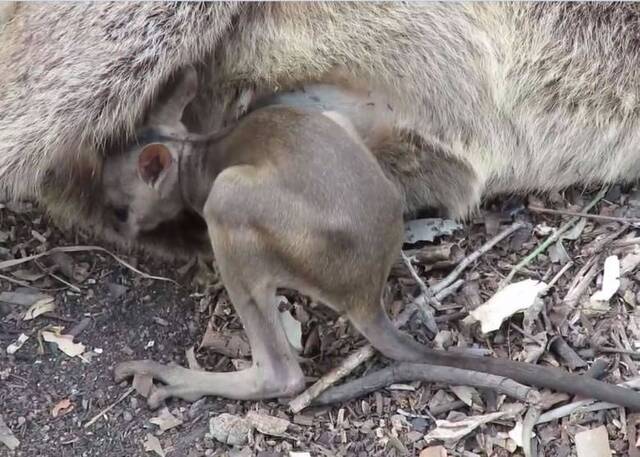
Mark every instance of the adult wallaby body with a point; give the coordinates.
(486, 97)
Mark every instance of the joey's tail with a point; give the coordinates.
(386, 338)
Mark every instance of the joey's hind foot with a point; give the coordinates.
(191, 385)
(179, 381)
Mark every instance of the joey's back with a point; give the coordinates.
(315, 159)
(317, 197)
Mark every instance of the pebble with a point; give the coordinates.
(230, 429)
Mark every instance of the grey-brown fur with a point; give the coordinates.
(526, 96)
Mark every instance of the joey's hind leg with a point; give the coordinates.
(429, 175)
(275, 371)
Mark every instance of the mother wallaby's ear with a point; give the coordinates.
(154, 162)
(182, 92)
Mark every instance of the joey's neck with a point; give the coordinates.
(199, 165)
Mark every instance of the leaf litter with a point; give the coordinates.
(370, 413)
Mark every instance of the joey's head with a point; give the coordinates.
(141, 188)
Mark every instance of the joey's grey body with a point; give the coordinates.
(486, 97)
(292, 199)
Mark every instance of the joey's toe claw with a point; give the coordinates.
(127, 369)
(183, 391)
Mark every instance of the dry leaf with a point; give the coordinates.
(293, 330)
(22, 297)
(152, 444)
(267, 425)
(165, 420)
(599, 301)
(142, 383)
(610, 279)
(558, 253)
(428, 229)
(466, 394)
(448, 431)
(65, 343)
(576, 231)
(44, 305)
(543, 229)
(435, 451)
(28, 275)
(63, 406)
(630, 261)
(506, 302)
(516, 434)
(6, 436)
(300, 454)
(593, 443)
(232, 344)
(13, 347)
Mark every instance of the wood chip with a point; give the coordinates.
(6, 436)
(593, 443)
(165, 420)
(434, 451)
(152, 444)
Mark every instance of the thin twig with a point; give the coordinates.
(530, 419)
(109, 408)
(561, 212)
(423, 304)
(555, 236)
(475, 255)
(15, 281)
(584, 405)
(14, 262)
(414, 274)
(404, 372)
(63, 281)
(559, 274)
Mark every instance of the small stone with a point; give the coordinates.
(127, 416)
(419, 424)
(230, 429)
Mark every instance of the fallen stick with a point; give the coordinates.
(347, 366)
(561, 212)
(406, 372)
(443, 289)
(555, 236)
(109, 408)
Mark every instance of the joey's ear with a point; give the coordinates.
(182, 93)
(153, 163)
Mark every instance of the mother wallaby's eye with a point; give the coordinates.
(121, 214)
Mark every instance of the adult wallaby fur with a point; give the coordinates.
(488, 97)
(293, 199)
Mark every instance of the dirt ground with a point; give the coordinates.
(47, 397)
